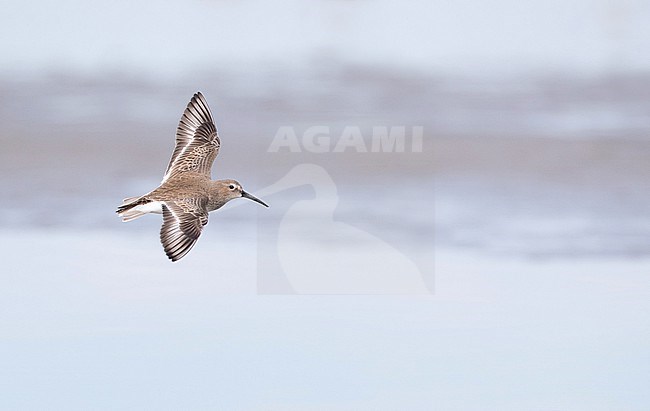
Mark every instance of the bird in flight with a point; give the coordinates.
(187, 193)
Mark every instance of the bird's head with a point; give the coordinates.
(232, 189)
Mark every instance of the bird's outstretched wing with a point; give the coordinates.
(183, 221)
(197, 141)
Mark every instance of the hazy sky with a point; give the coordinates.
(437, 36)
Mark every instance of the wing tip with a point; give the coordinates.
(176, 255)
(199, 96)
(173, 258)
(199, 104)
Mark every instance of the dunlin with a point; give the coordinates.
(187, 193)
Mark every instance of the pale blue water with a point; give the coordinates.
(99, 320)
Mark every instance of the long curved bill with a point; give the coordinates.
(252, 197)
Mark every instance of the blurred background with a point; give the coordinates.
(525, 214)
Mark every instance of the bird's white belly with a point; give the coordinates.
(152, 207)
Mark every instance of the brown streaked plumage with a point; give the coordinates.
(187, 193)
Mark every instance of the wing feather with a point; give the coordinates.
(197, 140)
(183, 221)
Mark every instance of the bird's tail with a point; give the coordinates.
(129, 211)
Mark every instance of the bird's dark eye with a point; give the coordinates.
(232, 187)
